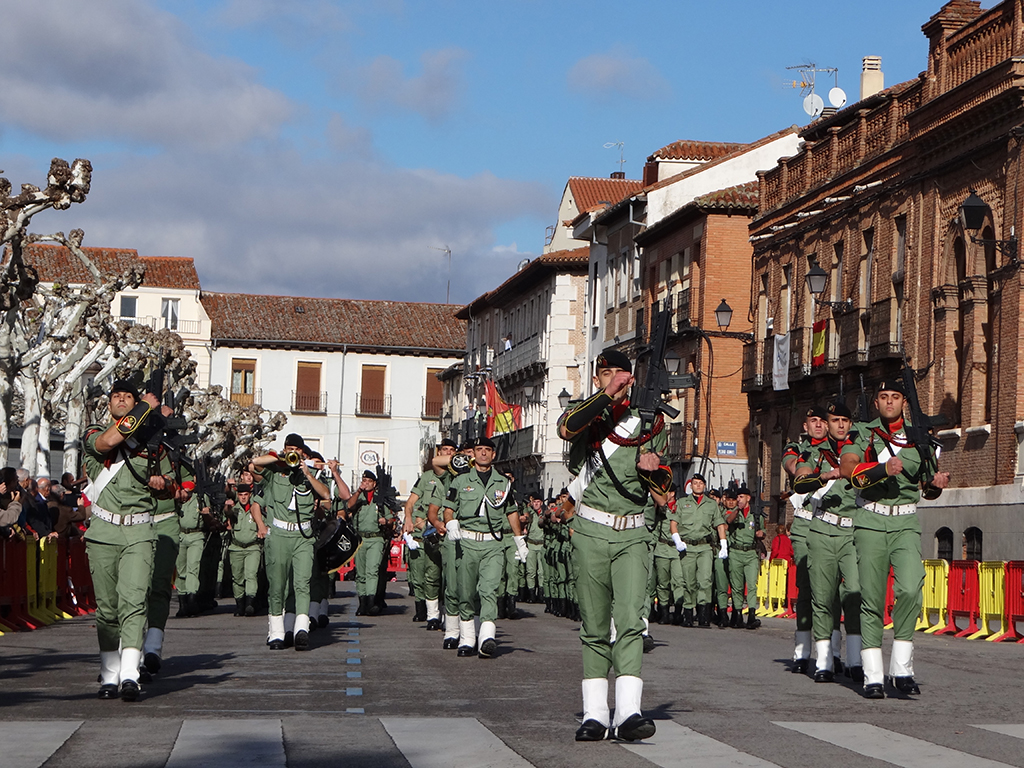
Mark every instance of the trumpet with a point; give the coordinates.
(292, 458)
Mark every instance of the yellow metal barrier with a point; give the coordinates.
(991, 590)
(36, 608)
(48, 553)
(772, 581)
(762, 589)
(936, 585)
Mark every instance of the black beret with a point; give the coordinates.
(817, 410)
(743, 491)
(295, 441)
(612, 358)
(485, 442)
(450, 443)
(890, 385)
(244, 488)
(730, 493)
(468, 444)
(698, 476)
(839, 409)
(123, 385)
(369, 475)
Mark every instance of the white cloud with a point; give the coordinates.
(433, 94)
(121, 70)
(601, 75)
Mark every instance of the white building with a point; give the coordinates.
(357, 379)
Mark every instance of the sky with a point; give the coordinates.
(328, 148)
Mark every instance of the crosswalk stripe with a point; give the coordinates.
(228, 744)
(890, 747)
(446, 742)
(1017, 731)
(673, 740)
(30, 743)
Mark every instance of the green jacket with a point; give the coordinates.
(288, 496)
(125, 494)
(478, 505)
(243, 527)
(837, 497)
(742, 531)
(698, 519)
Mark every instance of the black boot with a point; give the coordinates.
(524, 595)
(239, 606)
(510, 607)
(372, 606)
(361, 609)
(752, 621)
(502, 608)
(557, 608)
(184, 603)
(547, 605)
(655, 613)
(662, 615)
(703, 615)
(576, 612)
(677, 618)
(687, 617)
(723, 618)
(421, 611)
(250, 606)
(737, 618)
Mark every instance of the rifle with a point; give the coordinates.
(649, 399)
(862, 403)
(210, 490)
(919, 429)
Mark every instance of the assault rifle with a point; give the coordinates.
(919, 430)
(862, 403)
(649, 400)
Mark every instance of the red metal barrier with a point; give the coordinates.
(964, 598)
(81, 579)
(890, 600)
(1014, 602)
(14, 586)
(66, 597)
(792, 592)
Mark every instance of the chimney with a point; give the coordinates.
(871, 78)
(618, 174)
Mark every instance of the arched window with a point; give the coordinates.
(944, 544)
(972, 544)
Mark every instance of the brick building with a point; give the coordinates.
(874, 199)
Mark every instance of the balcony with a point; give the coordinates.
(674, 450)
(309, 402)
(753, 353)
(247, 399)
(181, 327)
(510, 446)
(431, 409)
(682, 313)
(522, 356)
(378, 406)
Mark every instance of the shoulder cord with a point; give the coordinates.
(638, 500)
(498, 535)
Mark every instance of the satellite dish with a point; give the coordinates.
(813, 104)
(837, 97)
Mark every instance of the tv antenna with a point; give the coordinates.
(448, 290)
(814, 105)
(620, 145)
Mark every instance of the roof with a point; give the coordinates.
(574, 260)
(55, 263)
(590, 193)
(701, 151)
(740, 198)
(251, 320)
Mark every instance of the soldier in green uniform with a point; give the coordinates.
(535, 566)
(424, 556)
(329, 473)
(368, 517)
(474, 508)
(613, 488)
(720, 567)
(509, 587)
(289, 495)
(454, 465)
(744, 529)
(831, 555)
(888, 472)
(698, 525)
(193, 522)
(815, 433)
(120, 540)
(245, 550)
(668, 570)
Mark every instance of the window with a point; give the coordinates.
(944, 544)
(307, 397)
(434, 396)
(243, 382)
(899, 279)
(866, 268)
(372, 401)
(784, 300)
(837, 272)
(129, 305)
(972, 544)
(595, 286)
(169, 314)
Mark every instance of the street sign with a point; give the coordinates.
(726, 449)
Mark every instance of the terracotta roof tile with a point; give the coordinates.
(742, 196)
(576, 260)
(591, 194)
(695, 150)
(302, 321)
(56, 263)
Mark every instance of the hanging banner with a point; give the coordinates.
(501, 417)
(818, 344)
(780, 364)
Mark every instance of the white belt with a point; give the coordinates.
(477, 536)
(803, 514)
(889, 510)
(304, 527)
(164, 516)
(833, 519)
(615, 522)
(139, 518)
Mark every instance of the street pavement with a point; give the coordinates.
(381, 692)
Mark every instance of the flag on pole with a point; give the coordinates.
(818, 344)
(501, 417)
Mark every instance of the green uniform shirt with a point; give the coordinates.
(743, 528)
(698, 520)
(243, 527)
(366, 513)
(288, 496)
(663, 544)
(425, 490)
(480, 506)
(125, 494)
(837, 497)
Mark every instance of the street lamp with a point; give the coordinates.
(528, 390)
(816, 279)
(723, 316)
(563, 398)
(974, 210)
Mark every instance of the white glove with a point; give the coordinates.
(521, 551)
(678, 541)
(454, 532)
(411, 543)
(723, 551)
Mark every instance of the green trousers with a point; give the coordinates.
(611, 584)
(876, 551)
(165, 556)
(121, 575)
(668, 578)
(245, 569)
(696, 575)
(535, 566)
(319, 585)
(190, 553)
(416, 562)
(743, 568)
(369, 560)
(829, 559)
(510, 579)
(803, 584)
(480, 571)
(720, 569)
(289, 557)
(451, 555)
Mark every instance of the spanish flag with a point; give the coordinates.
(501, 417)
(818, 344)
